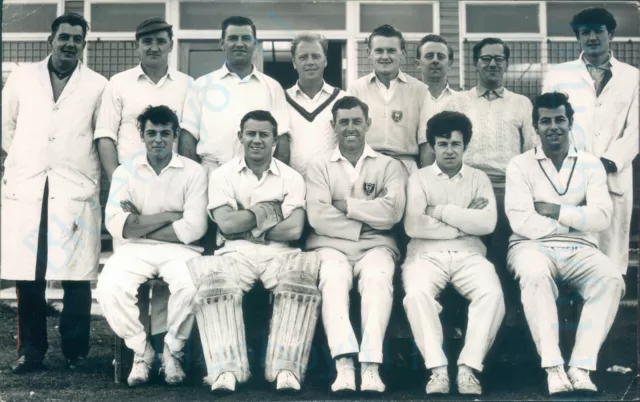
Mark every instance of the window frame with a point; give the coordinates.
(31, 36)
(407, 35)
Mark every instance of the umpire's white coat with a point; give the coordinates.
(51, 139)
(606, 126)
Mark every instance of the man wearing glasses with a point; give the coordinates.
(502, 129)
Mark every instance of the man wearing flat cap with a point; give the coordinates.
(150, 83)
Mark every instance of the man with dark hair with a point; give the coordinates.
(217, 101)
(151, 82)
(310, 101)
(435, 58)
(50, 192)
(556, 199)
(395, 98)
(258, 204)
(502, 129)
(604, 92)
(156, 209)
(449, 206)
(355, 197)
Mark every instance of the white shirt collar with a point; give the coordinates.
(273, 167)
(254, 73)
(436, 169)
(540, 155)
(401, 77)
(325, 88)
(367, 153)
(140, 72)
(142, 160)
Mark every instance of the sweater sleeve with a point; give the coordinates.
(596, 215)
(383, 212)
(324, 218)
(417, 223)
(476, 222)
(520, 210)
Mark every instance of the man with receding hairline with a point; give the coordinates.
(310, 101)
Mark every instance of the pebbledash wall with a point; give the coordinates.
(537, 32)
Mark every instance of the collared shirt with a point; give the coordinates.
(180, 187)
(452, 226)
(579, 187)
(395, 120)
(217, 102)
(311, 134)
(387, 93)
(433, 106)
(126, 96)
(502, 129)
(601, 74)
(352, 172)
(490, 94)
(235, 185)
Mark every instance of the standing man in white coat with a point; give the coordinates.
(604, 93)
(50, 205)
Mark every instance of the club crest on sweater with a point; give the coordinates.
(369, 188)
(396, 115)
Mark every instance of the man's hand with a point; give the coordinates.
(547, 209)
(340, 205)
(127, 206)
(478, 203)
(430, 210)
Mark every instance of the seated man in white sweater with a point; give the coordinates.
(156, 209)
(449, 205)
(556, 198)
(354, 198)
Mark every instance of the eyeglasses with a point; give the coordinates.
(498, 59)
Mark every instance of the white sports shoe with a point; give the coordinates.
(346, 376)
(287, 381)
(438, 384)
(557, 380)
(226, 383)
(141, 367)
(580, 380)
(371, 381)
(172, 367)
(468, 384)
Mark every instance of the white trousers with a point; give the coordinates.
(157, 303)
(129, 267)
(375, 285)
(591, 273)
(425, 275)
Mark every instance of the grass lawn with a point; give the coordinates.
(518, 378)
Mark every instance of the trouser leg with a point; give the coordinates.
(535, 269)
(600, 284)
(475, 278)
(32, 319)
(32, 305)
(75, 320)
(336, 279)
(423, 278)
(375, 285)
(117, 293)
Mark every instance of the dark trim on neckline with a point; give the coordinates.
(310, 117)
